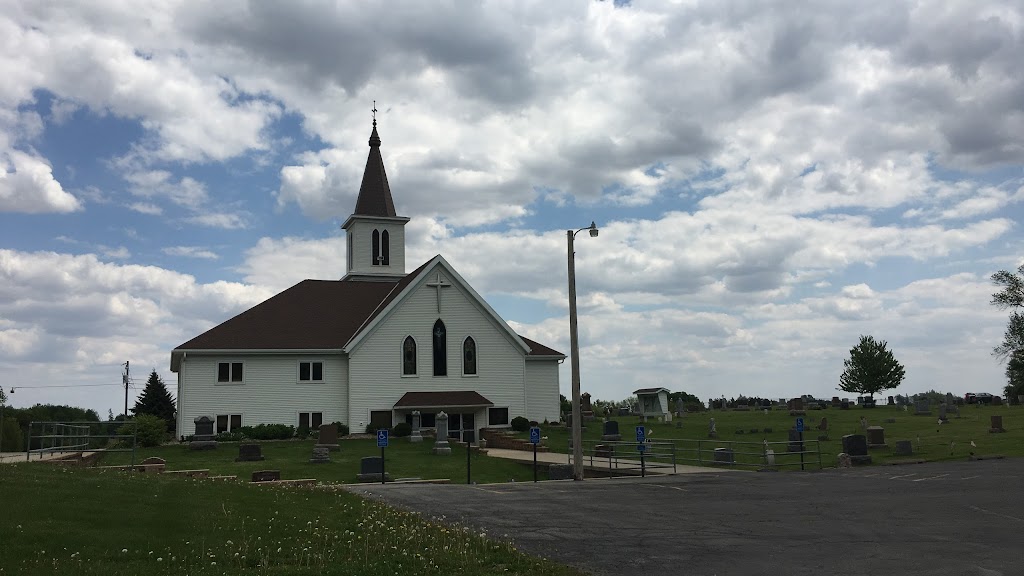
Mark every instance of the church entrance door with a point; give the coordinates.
(462, 427)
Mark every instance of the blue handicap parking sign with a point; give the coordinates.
(641, 434)
(799, 424)
(534, 435)
(382, 438)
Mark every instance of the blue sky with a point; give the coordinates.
(770, 184)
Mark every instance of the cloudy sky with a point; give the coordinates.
(771, 180)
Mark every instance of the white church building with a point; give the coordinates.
(370, 348)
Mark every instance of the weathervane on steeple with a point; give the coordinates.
(374, 113)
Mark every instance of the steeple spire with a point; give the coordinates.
(374, 193)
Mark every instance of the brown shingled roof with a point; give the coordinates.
(374, 193)
(313, 314)
(540, 349)
(442, 399)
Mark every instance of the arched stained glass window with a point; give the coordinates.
(469, 356)
(440, 337)
(409, 357)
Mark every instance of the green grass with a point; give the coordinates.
(934, 441)
(403, 459)
(86, 521)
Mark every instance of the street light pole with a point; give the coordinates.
(574, 345)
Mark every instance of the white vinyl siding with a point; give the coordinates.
(271, 394)
(542, 390)
(361, 251)
(375, 369)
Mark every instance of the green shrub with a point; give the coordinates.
(520, 424)
(371, 429)
(271, 432)
(342, 428)
(13, 440)
(149, 430)
(402, 429)
(302, 432)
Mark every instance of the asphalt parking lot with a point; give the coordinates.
(953, 518)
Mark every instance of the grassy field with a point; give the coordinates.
(403, 459)
(85, 521)
(930, 441)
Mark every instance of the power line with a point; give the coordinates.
(62, 386)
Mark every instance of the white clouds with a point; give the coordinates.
(27, 185)
(190, 252)
(227, 221)
(279, 264)
(146, 208)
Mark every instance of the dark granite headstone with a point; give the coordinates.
(266, 475)
(795, 404)
(856, 446)
(328, 437)
(795, 444)
(611, 431)
(922, 408)
(876, 437)
(203, 439)
(724, 456)
(370, 468)
(891, 402)
(249, 453)
(904, 448)
(997, 401)
(585, 402)
(996, 424)
(321, 455)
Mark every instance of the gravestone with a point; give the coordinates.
(742, 408)
(586, 410)
(680, 407)
(922, 408)
(249, 453)
(876, 437)
(891, 402)
(583, 425)
(441, 446)
(712, 429)
(266, 475)
(153, 460)
(328, 438)
(942, 412)
(844, 405)
(203, 439)
(823, 427)
(370, 468)
(795, 404)
(996, 425)
(836, 402)
(904, 448)
(863, 423)
(724, 456)
(843, 461)
(997, 401)
(321, 455)
(856, 446)
(604, 451)
(417, 435)
(955, 409)
(795, 444)
(769, 457)
(611, 431)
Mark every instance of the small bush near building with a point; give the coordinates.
(342, 428)
(520, 424)
(402, 429)
(149, 430)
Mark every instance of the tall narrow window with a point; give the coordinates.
(409, 357)
(385, 247)
(440, 349)
(375, 252)
(469, 356)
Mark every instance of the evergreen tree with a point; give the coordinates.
(870, 369)
(155, 400)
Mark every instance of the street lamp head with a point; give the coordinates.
(593, 229)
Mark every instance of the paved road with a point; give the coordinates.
(953, 518)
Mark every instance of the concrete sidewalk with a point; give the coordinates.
(598, 463)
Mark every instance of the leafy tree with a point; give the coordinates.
(1011, 296)
(149, 430)
(871, 368)
(1014, 377)
(564, 404)
(155, 400)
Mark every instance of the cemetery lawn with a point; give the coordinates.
(402, 459)
(84, 521)
(934, 443)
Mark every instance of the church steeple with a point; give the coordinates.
(376, 234)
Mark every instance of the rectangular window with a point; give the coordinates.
(228, 422)
(428, 420)
(497, 417)
(311, 420)
(311, 371)
(229, 372)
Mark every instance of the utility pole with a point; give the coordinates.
(126, 380)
